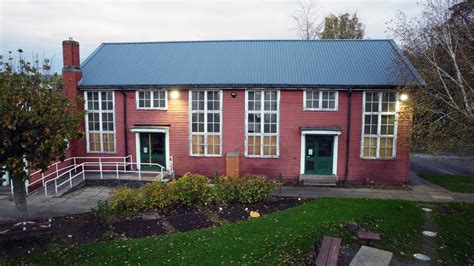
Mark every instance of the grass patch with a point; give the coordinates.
(463, 183)
(456, 236)
(282, 237)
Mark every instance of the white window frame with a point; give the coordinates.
(101, 131)
(262, 121)
(137, 100)
(336, 98)
(379, 114)
(205, 133)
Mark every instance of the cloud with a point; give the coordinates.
(40, 26)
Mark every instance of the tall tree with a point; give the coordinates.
(37, 119)
(439, 43)
(343, 26)
(305, 17)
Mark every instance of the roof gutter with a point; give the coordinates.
(236, 86)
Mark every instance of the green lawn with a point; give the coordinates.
(456, 234)
(453, 183)
(283, 237)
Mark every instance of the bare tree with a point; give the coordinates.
(439, 42)
(307, 25)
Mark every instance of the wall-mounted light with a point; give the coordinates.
(174, 94)
(233, 94)
(403, 97)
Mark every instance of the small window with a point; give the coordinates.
(320, 100)
(152, 99)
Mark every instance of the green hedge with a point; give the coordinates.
(187, 190)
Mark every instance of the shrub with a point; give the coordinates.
(187, 190)
(254, 188)
(227, 189)
(127, 201)
(247, 189)
(157, 195)
(192, 188)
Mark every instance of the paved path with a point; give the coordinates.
(82, 200)
(79, 201)
(442, 164)
(418, 190)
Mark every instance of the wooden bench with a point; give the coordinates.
(368, 237)
(327, 253)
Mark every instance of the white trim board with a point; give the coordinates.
(164, 130)
(335, 145)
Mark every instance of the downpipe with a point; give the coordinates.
(349, 109)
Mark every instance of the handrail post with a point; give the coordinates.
(100, 168)
(125, 164)
(56, 186)
(83, 173)
(46, 191)
(27, 183)
(70, 179)
(74, 159)
(42, 178)
(57, 171)
(139, 173)
(116, 170)
(11, 185)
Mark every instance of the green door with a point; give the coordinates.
(152, 150)
(318, 155)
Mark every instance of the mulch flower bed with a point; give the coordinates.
(88, 227)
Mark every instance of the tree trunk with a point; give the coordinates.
(19, 195)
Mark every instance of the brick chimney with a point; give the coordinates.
(71, 54)
(72, 74)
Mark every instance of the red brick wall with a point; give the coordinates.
(292, 117)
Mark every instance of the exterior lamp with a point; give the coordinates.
(174, 94)
(403, 97)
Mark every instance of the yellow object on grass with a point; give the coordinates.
(254, 214)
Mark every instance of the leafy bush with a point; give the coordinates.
(157, 195)
(126, 200)
(254, 188)
(192, 188)
(247, 189)
(187, 190)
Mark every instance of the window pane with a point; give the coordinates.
(269, 145)
(371, 102)
(370, 146)
(213, 145)
(387, 125)
(386, 148)
(254, 143)
(197, 144)
(388, 102)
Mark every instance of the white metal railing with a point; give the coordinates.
(59, 171)
(104, 167)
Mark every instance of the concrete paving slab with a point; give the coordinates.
(368, 256)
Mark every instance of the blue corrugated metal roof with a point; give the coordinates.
(285, 63)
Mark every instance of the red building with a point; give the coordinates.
(326, 109)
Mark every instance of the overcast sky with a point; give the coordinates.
(39, 26)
